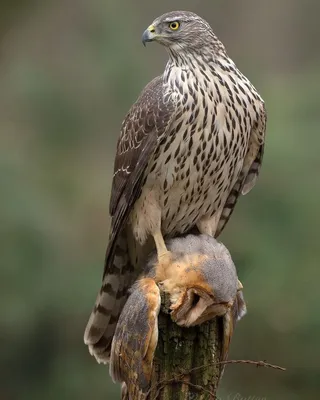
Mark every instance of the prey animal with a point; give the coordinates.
(201, 281)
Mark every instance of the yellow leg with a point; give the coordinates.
(160, 244)
(208, 226)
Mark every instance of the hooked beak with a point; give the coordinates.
(149, 35)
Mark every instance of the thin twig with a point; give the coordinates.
(256, 363)
(179, 378)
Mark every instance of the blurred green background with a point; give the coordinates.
(69, 70)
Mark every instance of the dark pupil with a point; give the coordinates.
(174, 25)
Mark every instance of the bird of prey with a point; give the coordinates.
(189, 146)
(202, 283)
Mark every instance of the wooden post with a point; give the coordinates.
(162, 360)
(184, 365)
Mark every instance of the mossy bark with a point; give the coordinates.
(185, 360)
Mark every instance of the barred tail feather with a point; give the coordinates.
(110, 301)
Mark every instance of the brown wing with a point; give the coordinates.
(144, 126)
(250, 170)
(136, 337)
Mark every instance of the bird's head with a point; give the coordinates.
(180, 31)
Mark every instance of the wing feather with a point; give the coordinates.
(250, 170)
(145, 125)
(136, 336)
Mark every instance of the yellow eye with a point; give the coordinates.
(174, 25)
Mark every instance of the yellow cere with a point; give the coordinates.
(151, 29)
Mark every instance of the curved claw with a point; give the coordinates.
(239, 286)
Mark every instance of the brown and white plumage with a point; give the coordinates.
(190, 145)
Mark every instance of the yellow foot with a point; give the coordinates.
(164, 257)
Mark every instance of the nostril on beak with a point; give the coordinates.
(152, 30)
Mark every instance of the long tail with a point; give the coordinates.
(117, 280)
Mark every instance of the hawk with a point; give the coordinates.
(189, 146)
(202, 283)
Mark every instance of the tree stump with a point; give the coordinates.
(185, 364)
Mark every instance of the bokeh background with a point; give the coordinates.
(69, 70)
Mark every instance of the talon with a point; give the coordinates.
(240, 286)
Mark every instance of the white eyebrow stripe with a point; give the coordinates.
(173, 18)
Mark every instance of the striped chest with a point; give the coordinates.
(198, 162)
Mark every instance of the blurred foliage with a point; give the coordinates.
(69, 70)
